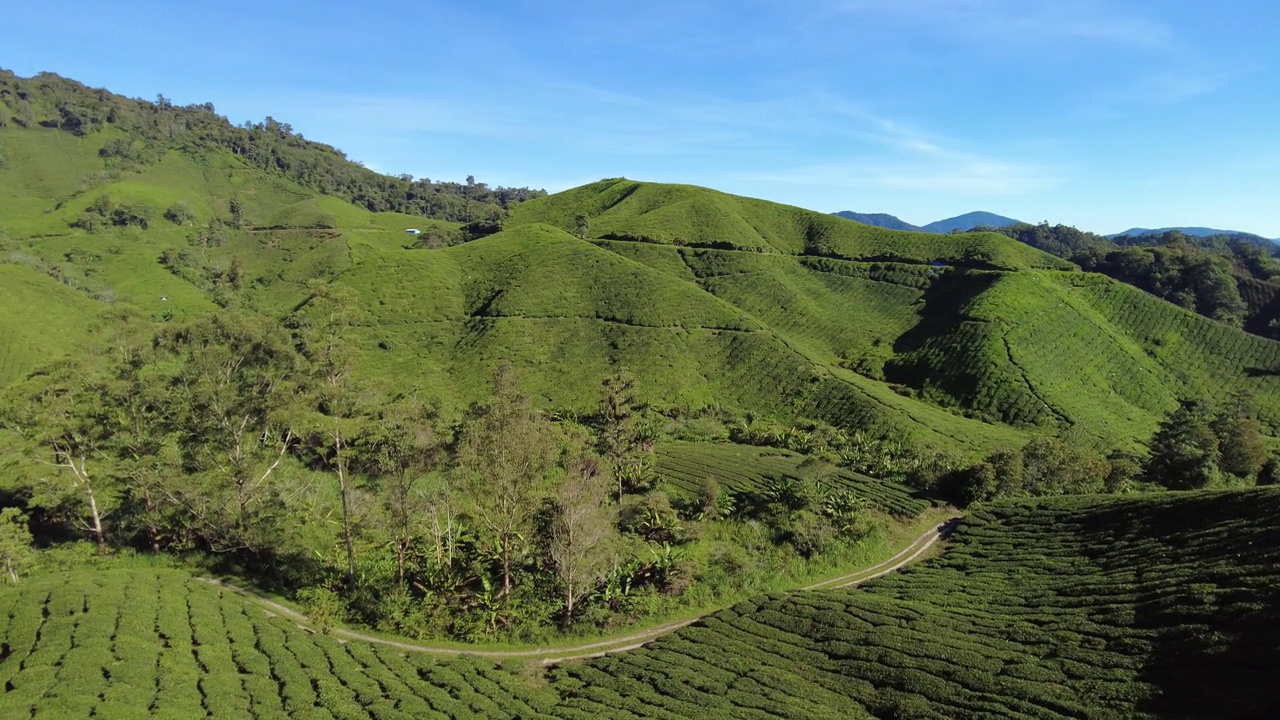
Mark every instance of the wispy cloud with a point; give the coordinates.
(1016, 21)
(953, 175)
(801, 139)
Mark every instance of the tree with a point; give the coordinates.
(180, 213)
(231, 399)
(320, 327)
(1010, 473)
(15, 542)
(401, 448)
(505, 450)
(583, 526)
(620, 438)
(65, 416)
(1063, 466)
(974, 484)
(136, 399)
(1184, 450)
(1240, 441)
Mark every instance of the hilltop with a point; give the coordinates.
(969, 221)
(883, 220)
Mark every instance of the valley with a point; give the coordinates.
(702, 432)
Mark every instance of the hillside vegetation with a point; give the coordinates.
(1075, 607)
(717, 303)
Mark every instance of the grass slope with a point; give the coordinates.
(693, 216)
(714, 301)
(40, 321)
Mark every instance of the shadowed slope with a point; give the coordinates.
(1077, 607)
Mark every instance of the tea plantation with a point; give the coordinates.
(1077, 607)
(1074, 607)
(744, 468)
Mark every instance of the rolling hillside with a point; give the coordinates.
(964, 343)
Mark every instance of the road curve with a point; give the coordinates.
(556, 655)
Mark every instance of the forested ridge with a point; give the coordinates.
(149, 129)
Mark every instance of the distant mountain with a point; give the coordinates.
(1194, 231)
(969, 221)
(883, 220)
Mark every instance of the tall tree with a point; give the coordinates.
(65, 416)
(505, 450)
(401, 448)
(135, 398)
(582, 528)
(232, 391)
(1184, 450)
(320, 330)
(621, 442)
(1240, 440)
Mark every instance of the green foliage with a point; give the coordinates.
(1194, 280)
(15, 544)
(151, 129)
(180, 213)
(1068, 607)
(1194, 445)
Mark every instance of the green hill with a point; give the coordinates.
(691, 216)
(716, 302)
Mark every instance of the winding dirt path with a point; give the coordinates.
(557, 655)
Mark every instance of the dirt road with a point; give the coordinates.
(560, 654)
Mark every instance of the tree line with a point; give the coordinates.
(153, 128)
(1195, 447)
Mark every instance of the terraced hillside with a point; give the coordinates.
(1078, 607)
(963, 343)
(161, 644)
(744, 468)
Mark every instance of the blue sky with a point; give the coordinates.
(1101, 114)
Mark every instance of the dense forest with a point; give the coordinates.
(147, 130)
